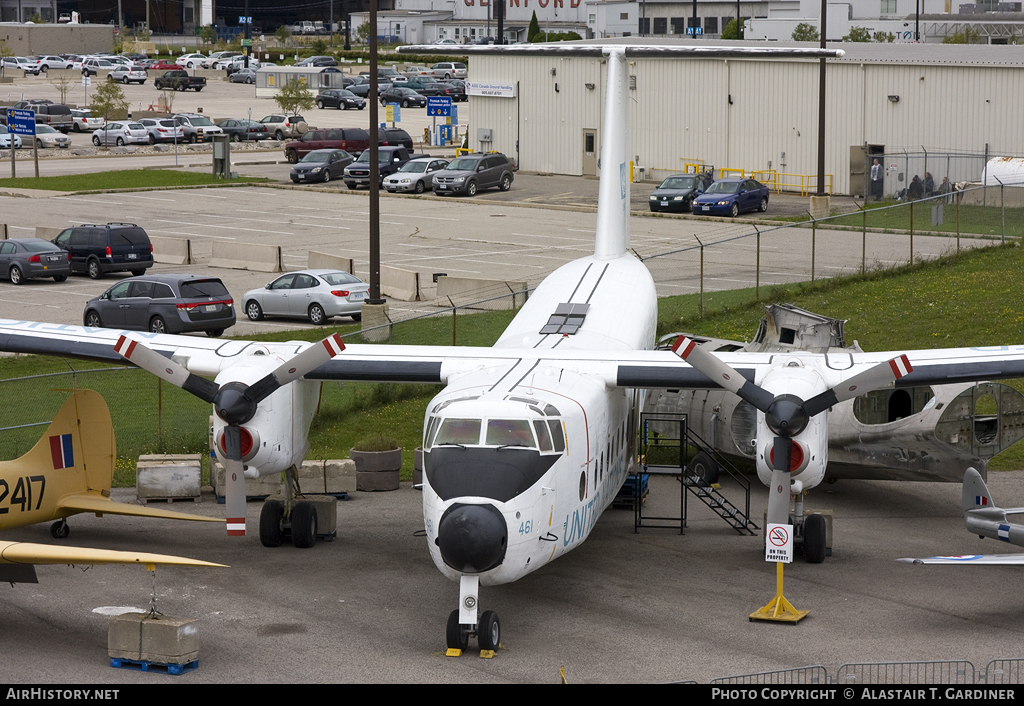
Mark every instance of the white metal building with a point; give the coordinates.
(756, 114)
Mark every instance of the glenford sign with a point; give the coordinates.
(495, 90)
(526, 3)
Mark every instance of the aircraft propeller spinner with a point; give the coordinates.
(787, 415)
(234, 402)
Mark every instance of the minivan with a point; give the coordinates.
(114, 247)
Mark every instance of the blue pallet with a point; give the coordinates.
(142, 666)
(628, 488)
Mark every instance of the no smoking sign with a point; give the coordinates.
(779, 544)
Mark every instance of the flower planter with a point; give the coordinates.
(377, 470)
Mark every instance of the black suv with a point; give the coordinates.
(114, 247)
(472, 172)
(389, 159)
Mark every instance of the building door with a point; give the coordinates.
(589, 152)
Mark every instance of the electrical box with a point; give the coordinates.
(483, 134)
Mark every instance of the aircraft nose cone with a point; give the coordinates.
(472, 538)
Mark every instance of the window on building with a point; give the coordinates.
(710, 25)
(623, 15)
(661, 25)
(678, 25)
(693, 22)
(726, 21)
(591, 18)
(645, 25)
(888, 7)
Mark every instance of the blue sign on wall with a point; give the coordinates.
(439, 106)
(21, 122)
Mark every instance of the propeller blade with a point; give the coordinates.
(778, 491)
(293, 369)
(166, 369)
(874, 378)
(721, 373)
(234, 481)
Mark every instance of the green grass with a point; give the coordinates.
(966, 299)
(130, 179)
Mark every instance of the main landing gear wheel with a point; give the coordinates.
(814, 539)
(457, 636)
(60, 530)
(272, 523)
(303, 525)
(705, 468)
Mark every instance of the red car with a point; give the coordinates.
(163, 65)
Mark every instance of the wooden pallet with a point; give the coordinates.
(143, 666)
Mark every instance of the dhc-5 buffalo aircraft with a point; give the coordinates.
(530, 439)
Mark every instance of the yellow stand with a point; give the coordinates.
(779, 609)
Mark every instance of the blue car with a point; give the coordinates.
(729, 197)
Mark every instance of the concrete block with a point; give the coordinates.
(340, 476)
(169, 479)
(375, 316)
(326, 512)
(169, 640)
(311, 477)
(246, 256)
(175, 251)
(820, 206)
(260, 487)
(400, 284)
(47, 233)
(124, 636)
(326, 261)
(483, 293)
(417, 467)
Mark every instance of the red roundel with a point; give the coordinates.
(796, 457)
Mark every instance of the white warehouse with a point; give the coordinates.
(756, 114)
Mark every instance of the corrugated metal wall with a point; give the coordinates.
(682, 111)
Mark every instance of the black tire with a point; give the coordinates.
(198, 88)
(124, 80)
(292, 156)
(327, 175)
(39, 144)
(488, 633)
(192, 139)
(506, 183)
(764, 205)
(253, 310)
(405, 104)
(60, 278)
(76, 128)
(94, 269)
(248, 80)
(357, 317)
(96, 140)
(814, 539)
(735, 210)
(138, 273)
(234, 137)
(152, 140)
(705, 468)
(419, 187)
(93, 320)
(455, 636)
(16, 275)
(60, 530)
(471, 189)
(317, 315)
(320, 105)
(157, 325)
(272, 523)
(278, 135)
(215, 332)
(303, 525)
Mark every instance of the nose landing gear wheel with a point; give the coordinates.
(489, 631)
(272, 523)
(456, 635)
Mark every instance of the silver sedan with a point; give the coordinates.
(121, 133)
(316, 295)
(416, 175)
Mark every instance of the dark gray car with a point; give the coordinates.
(28, 258)
(164, 304)
(472, 172)
(676, 193)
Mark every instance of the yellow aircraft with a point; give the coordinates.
(69, 471)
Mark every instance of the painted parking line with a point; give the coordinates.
(207, 225)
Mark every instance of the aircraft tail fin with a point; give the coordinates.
(613, 239)
(976, 495)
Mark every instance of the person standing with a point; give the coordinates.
(877, 177)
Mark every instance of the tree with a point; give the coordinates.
(534, 28)
(858, 34)
(363, 32)
(62, 83)
(964, 36)
(294, 97)
(806, 33)
(208, 34)
(283, 34)
(108, 102)
(730, 30)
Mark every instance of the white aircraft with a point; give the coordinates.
(531, 439)
(983, 518)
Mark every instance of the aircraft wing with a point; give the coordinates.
(977, 559)
(436, 364)
(94, 502)
(28, 553)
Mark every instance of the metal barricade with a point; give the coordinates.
(798, 675)
(939, 672)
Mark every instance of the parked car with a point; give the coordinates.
(445, 41)
(676, 193)
(179, 80)
(198, 128)
(237, 63)
(163, 130)
(20, 63)
(416, 175)
(339, 98)
(313, 294)
(363, 89)
(45, 63)
(164, 65)
(389, 160)
(318, 61)
(321, 165)
(243, 76)
(164, 304)
(128, 74)
(390, 75)
(92, 66)
(123, 132)
(450, 69)
(282, 126)
(114, 247)
(427, 86)
(350, 139)
(82, 120)
(406, 97)
(472, 172)
(244, 130)
(193, 61)
(388, 136)
(416, 70)
(47, 137)
(5, 139)
(30, 258)
(731, 197)
(56, 115)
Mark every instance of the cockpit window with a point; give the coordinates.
(458, 431)
(556, 435)
(509, 432)
(543, 436)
